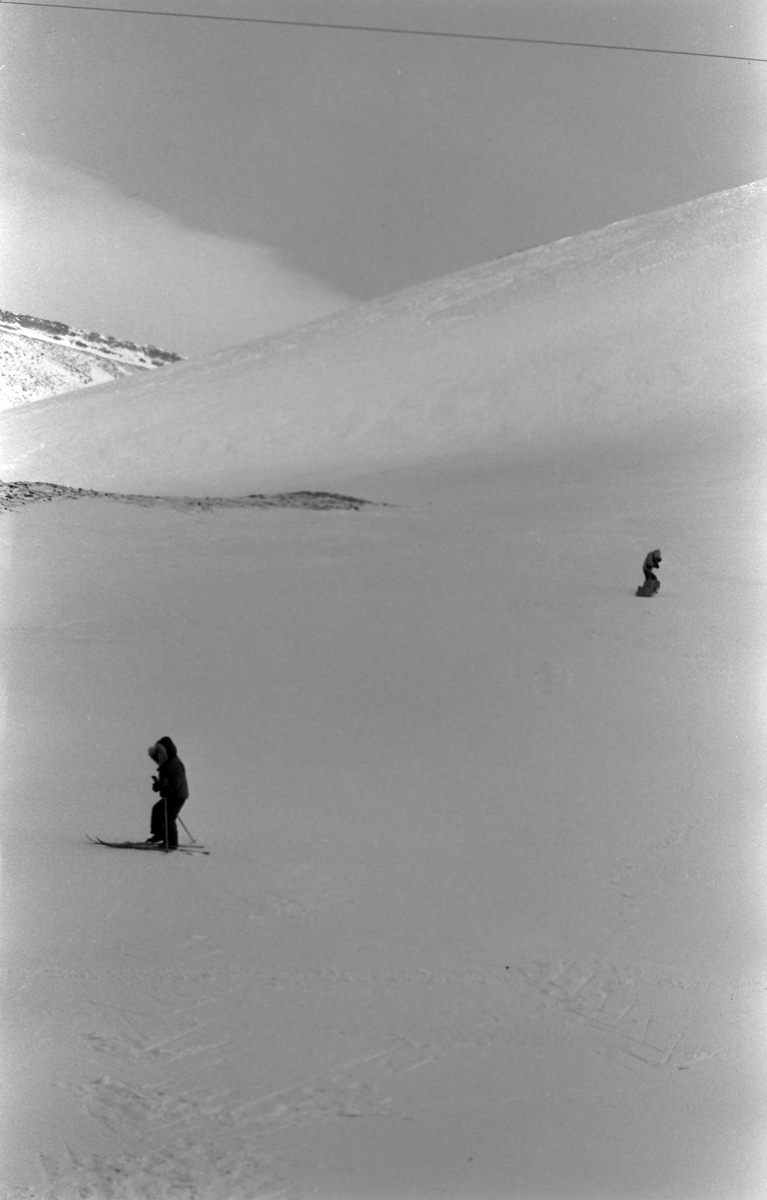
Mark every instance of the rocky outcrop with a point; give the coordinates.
(40, 358)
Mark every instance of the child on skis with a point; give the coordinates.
(170, 782)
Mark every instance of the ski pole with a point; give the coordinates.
(186, 831)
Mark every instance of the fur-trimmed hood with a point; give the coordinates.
(169, 745)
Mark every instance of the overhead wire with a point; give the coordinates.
(333, 25)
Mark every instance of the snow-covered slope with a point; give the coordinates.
(640, 325)
(40, 358)
(483, 915)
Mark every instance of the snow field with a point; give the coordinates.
(484, 909)
(483, 914)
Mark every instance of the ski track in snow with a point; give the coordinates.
(609, 1004)
(185, 1137)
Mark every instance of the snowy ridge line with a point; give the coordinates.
(58, 334)
(15, 495)
(40, 358)
(139, 357)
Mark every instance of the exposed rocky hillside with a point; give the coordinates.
(16, 495)
(40, 358)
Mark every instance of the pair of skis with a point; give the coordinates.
(194, 849)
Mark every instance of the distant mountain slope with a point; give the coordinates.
(40, 358)
(652, 323)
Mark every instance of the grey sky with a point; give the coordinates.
(374, 161)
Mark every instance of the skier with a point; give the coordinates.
(170, 782)
(651, 582)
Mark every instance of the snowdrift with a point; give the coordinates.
(649, 322)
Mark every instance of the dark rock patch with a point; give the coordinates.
(15, 495)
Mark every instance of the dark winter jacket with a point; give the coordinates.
(652, 562)
(171, 776)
